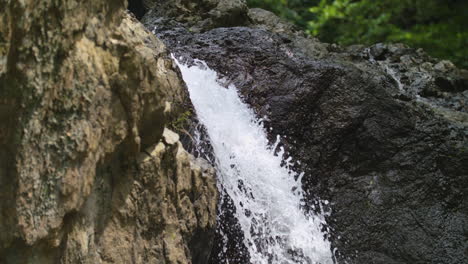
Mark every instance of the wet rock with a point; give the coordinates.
(201, 15)
(389, 156)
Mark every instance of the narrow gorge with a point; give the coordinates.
(208, 132)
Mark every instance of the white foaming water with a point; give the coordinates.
(266, 195)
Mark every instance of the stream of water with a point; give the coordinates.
(267, 196)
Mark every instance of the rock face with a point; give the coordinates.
(202, 15)
(380, 131)
(88, 173)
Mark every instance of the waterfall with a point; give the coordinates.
(267, 195)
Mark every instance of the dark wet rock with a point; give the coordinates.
(140, 7)
(380, 132)
(201, 15)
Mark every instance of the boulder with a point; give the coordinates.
(84, 90)
(380, 132)
(201, 15)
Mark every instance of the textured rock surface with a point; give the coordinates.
(161, 211)
(84, 90)
(380, 131)
(201, 15)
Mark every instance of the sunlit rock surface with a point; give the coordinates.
(84, 95)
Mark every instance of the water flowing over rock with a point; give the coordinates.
(379, 131)
(88, 172)
(267, 196)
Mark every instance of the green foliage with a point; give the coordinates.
(179, 124)
(438, 26)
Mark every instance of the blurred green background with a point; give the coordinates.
(440, 27)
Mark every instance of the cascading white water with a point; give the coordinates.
(266, 195)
